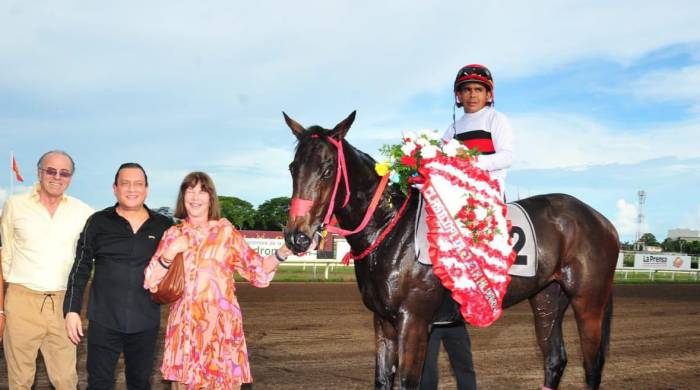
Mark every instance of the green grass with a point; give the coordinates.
(338, 273)
(643, 278)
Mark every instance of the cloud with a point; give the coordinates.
(626, 219)
(668, 84)
(254, 174)
(265, 53)
(691, 220)
(185, 85)
(554, 140)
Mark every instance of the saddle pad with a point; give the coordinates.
(524, 242)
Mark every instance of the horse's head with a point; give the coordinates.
(316, 177)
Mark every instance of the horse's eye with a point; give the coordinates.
(327, 173)
(292, 168)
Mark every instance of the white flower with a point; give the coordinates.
(423, 133)
(454, 143)
(429, 151)
(407, 148)
(422, 141)
(450, 148)
(480, 213)
(434, 135)
(410, 135)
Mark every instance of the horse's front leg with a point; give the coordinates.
(413, 343)
(386, 344)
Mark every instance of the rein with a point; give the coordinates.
(300, 207)
(348, 256)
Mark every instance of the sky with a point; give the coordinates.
(603, 97)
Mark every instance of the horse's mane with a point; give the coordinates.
(315, 132)
(312, 132)
(319, 132)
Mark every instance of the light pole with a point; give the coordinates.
(680, 242)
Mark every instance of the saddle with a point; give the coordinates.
(524, 242)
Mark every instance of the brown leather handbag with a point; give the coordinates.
(173, 284)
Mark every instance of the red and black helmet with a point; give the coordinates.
(474, 73)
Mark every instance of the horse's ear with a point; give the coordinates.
(297, 129)
(342, 128)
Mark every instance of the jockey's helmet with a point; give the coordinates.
(474, 73)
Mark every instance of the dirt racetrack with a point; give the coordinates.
(319, 336)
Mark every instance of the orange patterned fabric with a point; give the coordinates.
(204, 343)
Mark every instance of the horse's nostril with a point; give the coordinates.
(302, 240)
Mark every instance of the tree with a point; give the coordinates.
(691, 247)
(272, 214)
(626, 246)
(649, 239)
(670, 245)
(239, 212)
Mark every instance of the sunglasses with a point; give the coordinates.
(470, 70)
(52, 172)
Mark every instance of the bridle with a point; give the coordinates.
(300, 207)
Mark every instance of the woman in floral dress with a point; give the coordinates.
(204, 343)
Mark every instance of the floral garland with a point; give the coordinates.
(473, 264)
(459, 196)
(405, 158)
(479, 218)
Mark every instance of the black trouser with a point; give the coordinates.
(455, 338)
(104, 347)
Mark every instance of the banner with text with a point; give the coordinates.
(662, 261)
(267, 246)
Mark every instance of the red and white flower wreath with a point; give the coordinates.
(470, 246)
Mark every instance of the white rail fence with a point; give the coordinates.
(659, 263)
(653, 272)
(267, 246)
(326, 264)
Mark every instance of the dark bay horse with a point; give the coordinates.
(577, 249)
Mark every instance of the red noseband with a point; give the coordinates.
(300, 207)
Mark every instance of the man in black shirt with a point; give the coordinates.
(119, 241)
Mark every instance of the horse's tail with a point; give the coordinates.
(605, 333)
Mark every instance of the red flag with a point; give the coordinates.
(15, 169)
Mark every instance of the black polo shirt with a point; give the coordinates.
(118, 300)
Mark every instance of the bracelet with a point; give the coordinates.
(278, 257)
(160, 260)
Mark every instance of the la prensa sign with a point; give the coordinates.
(662, 261)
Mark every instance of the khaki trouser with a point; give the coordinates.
(35, 323)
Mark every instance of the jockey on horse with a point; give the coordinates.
(487, 130)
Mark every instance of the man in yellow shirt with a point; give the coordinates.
(39, 231)
(2, 302)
